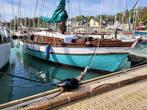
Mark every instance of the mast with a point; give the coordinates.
(115, 20)
(80, 7)
(0, 19)
(100, 17)
(124, 14)
(134, 17)
(18, 14)
(68, 13)
(13, 25)
(35, 19)
(115, 12)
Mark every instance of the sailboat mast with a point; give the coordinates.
(68, 4)
(13, 26)
(115, 12)
(115, 20)
(18, 13)
(80, 7)
(101, 17)
(123, 13)
(0, 19)
(134, 16)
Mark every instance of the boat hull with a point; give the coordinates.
(140, 32)
(4, 53)
(101, 61)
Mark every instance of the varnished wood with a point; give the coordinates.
(80, 42)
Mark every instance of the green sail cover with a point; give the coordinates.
(59, 14)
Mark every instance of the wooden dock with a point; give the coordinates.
(121, 90)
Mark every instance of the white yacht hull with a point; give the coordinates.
(4, 54)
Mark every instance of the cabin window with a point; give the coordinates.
(25, 32)
(32, 37)
(60, 40)
(73, 40)
(50, 39)
(90, 38)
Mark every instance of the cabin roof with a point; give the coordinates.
(67, 38)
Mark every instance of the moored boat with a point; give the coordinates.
(5, 46)
(103, 54)
(109, 54)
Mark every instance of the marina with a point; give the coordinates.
(65, 48)
(73, 54)
(108, 84)
(29, 67)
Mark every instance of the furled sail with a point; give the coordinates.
(59, 14)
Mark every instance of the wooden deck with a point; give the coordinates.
(130, 97)
(117, 91)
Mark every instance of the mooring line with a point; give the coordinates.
(20, 77)
(40, 83)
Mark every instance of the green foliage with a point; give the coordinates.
(143, 14)
(146, 27)
(90, 17)
(34, 22)
(28, 22)
(79, 18)
(97, 18)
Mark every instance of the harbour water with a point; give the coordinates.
(26, 66)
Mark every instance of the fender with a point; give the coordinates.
(48, 47)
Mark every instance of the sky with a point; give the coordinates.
(26, 8)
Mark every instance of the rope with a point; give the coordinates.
(135, 4)
(29, 85)
(40, 83)
(107, 84)
(60, 92)
(21, 86)
(90, 61)
(1, 73)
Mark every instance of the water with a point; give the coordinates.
(29, 67)
(140, 49)
(24, 65)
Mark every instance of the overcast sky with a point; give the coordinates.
(9, 8)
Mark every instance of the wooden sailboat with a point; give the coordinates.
(108, 54)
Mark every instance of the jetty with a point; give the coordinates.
(125, 89)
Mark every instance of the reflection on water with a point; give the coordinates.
(140, 48)
(29, 67)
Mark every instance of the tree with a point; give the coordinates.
(90, 17)
(79, 18)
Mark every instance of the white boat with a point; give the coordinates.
(5, 46)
